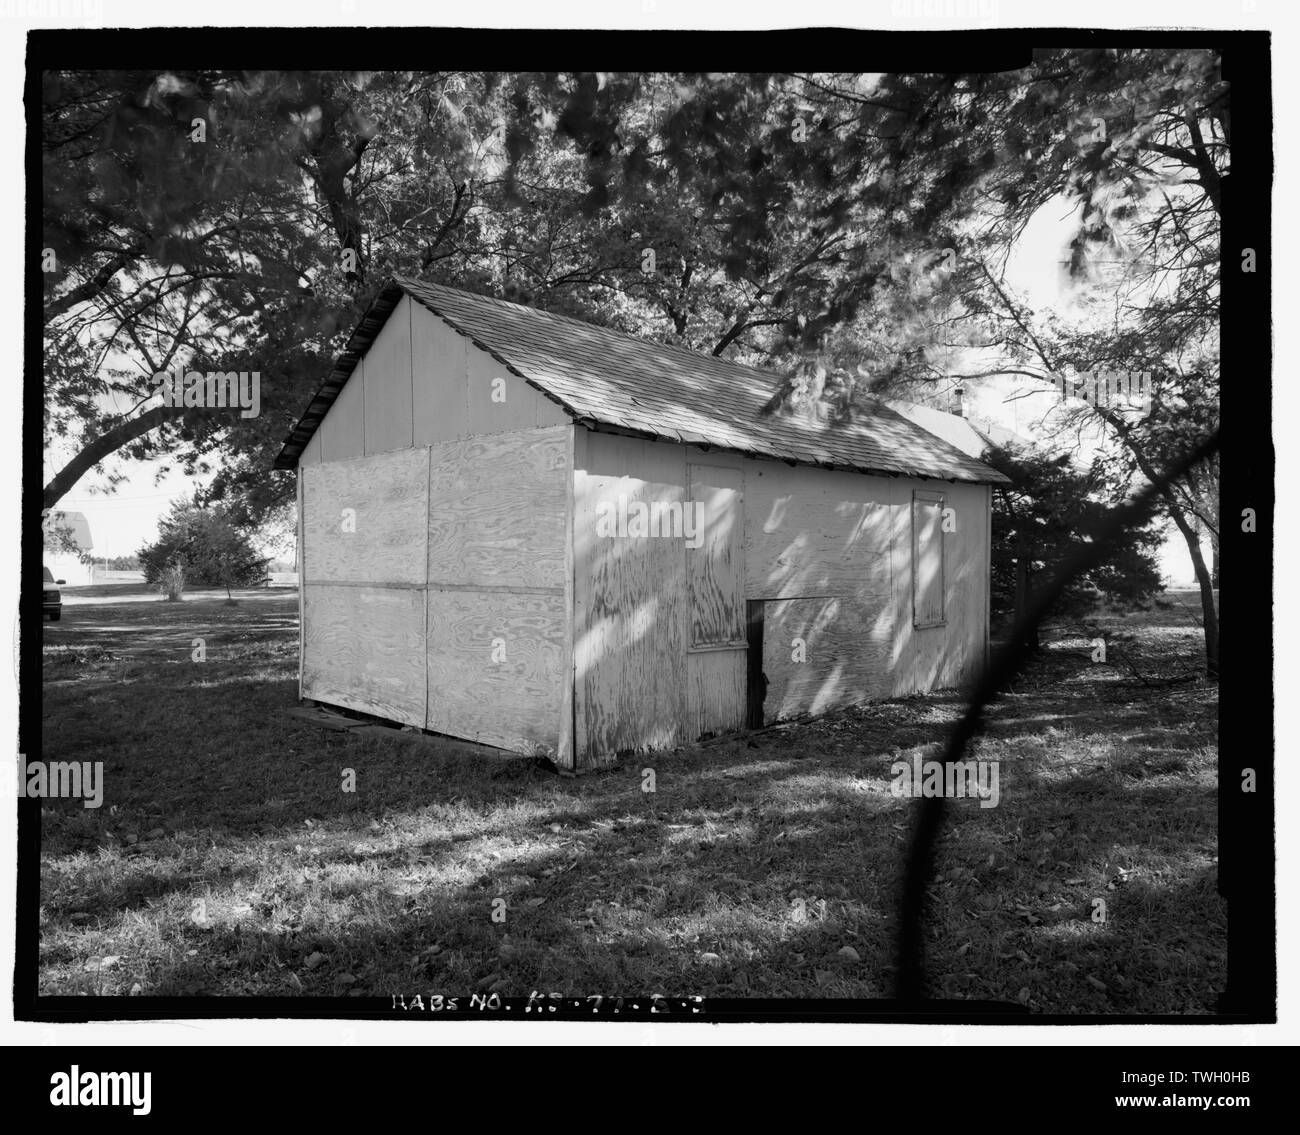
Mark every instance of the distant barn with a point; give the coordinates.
(67, 538)
(550, 537)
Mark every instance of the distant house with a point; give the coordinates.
(551, 537)
(66, 536)
(957, 430)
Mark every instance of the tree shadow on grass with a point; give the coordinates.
(710, 894)
(760, 866)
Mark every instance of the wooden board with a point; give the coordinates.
(715, 568)
(497, 510)
(302, 574)
(812, 532)
(387, 495)
(928, 542)
(715, 679)
(630, 603)
(949, 654)
(495, 672)
(326, 718)
(500, 401)
(311, 455)
(364, 648)
(388, 395)
(488, 390)
(343, 430)
(566, 751)
(822, 654)
(716, 684)
(818, 551)
(461, 391)
(438, 376)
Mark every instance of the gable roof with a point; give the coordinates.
(604, 378)
(972, 437)
(959, 432)
(73, 526)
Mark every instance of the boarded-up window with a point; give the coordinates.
(714, 564)
(927, 559)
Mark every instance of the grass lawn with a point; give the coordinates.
(227, 859)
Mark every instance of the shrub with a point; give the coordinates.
(1042, 518)
(211, 550)
(171, 580)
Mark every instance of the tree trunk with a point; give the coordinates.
(335, 160)
(1023, 598)
(1208, 612)
(1210, 615)
(107, 443)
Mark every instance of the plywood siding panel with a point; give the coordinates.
(822, 654)
(364, 648)
(500, 401)
(948, 654)
(566, 755)
(302, 575)
(699, 455)
(388, 395)
(817, 550)
(386, 496)
(495, 671)
(311, 454)
(630, 603)
(715, 556)
(828, 554)
(928, 544)
(814, 532)
(489, 389)
(715, 692)
(438, 370)
(966, 597)
(343, 430)
(460, 391)
(547, 412)
(497, 510)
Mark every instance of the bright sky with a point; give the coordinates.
(1036, 265)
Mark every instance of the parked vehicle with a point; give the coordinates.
(51, 599)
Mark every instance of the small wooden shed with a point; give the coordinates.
(551, 537)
